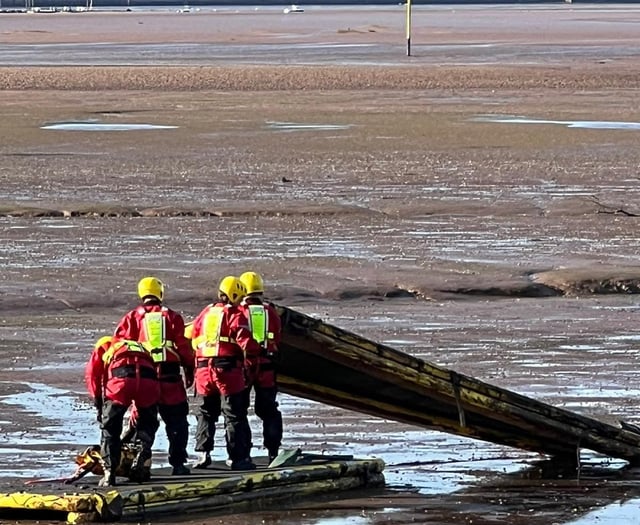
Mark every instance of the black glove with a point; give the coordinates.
(98, 404)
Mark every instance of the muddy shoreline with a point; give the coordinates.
(475, 207)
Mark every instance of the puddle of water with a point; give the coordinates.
(400, 342)
(293, 126)
(56, 463)
(614, 514)
(347, 520)
(581, 124)
(626, 337)
(68, 424)
(69, 417)
(58, 225)
(289, 246)
(97, 126)
(592, 348)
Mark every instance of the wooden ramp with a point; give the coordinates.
(333, 366)
(215, 490)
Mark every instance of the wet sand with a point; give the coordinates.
(474, 205)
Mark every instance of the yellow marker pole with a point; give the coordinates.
(408, 28)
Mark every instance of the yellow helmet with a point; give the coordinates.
(105, 341)
(232, 288)
(150, 286)
(252, 282)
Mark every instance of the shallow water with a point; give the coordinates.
(103, 126)
(576, 124)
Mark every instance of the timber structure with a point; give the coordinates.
(327, 364)
(216, 490)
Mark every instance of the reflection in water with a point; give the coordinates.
(349, 520)
(65, 423)
(293, 126)
(582, 124)
(98, 126)
(66, 418)
(617, 513)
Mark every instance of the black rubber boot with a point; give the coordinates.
(180, 470)
(243, 464)
(140, 470)
(273, 454)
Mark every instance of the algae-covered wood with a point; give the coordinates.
(330, 365)
(214, 490)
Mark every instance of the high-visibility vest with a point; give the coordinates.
(153, 335)
(259, 324)
(123, 346)
(208, 343)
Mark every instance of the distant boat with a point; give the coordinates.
(293, 8)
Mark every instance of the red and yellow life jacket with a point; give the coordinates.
(258, 317)
(153, 335)
(211, 342)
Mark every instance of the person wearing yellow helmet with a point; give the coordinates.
(150, 288)
(161, 331)
(120, 373)
(253, 283)
(231, 290)
(265, 326)
(221, 338)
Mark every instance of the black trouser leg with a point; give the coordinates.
(237, 428)
(207, 414)
(177, 428)
(267, 410)
(247, 403)
(110, 444)
(146, 427)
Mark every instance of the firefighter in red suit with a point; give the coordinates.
(120, 373)
(161, 331)
(221, 338)
(264, 323)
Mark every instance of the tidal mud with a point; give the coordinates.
(371, 190)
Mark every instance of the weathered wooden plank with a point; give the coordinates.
(511, 436)
(328, 364)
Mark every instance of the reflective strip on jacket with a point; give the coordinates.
(208, 342)
(259, 324)
(122, 373)
(153, 334)
(123, 346)
(268, 337)
(222, 330)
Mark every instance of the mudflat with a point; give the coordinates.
(474, 204)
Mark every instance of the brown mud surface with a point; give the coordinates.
(476, 205)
